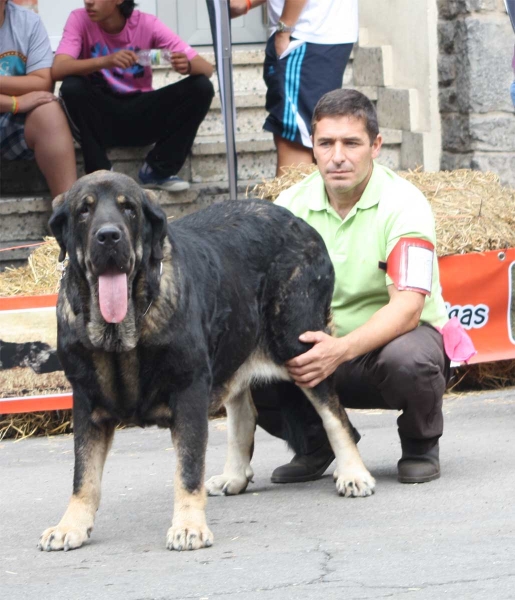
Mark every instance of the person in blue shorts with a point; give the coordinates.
(309, 46)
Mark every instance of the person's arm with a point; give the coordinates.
(400, 315)
(196, 66)
(239, 8)
(25, 102)
(65, 64)
(291, 12)
(30, 91)
(37, 81)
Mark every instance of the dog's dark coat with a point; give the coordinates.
(208, 293)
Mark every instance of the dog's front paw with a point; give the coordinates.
(353, 483)
(228, 484)
(63, 538)
(188, 536)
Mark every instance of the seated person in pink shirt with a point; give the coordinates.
(109, 97)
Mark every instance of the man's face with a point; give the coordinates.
(100, 10)
(343, 152)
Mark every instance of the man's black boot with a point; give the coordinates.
(419, 468)
(309, 466)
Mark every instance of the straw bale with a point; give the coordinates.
(485, 376)
(24, 425)
(40, 275)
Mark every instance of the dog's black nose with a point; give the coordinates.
(108, 235)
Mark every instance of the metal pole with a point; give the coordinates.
(224, 64)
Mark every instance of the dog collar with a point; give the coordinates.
(151, 302)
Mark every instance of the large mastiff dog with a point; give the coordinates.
(159, 323)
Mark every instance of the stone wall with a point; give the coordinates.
(476, 44)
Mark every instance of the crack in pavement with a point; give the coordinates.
(390, 590)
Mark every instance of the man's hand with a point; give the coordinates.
(29, 101)
(312, 367)
(281, 41)
(181, 63)
(123, 59)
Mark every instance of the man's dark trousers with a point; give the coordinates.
(409, 374)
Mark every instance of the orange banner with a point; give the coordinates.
(477, 289)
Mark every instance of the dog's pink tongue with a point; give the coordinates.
(112, 296)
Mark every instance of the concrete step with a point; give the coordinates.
(246, 78)
(370, 91)
(256, 157)
(398, 108)
(250, 115)
(24, 218)
(373, 66)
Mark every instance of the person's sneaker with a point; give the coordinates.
(419, 468)
(150, 180)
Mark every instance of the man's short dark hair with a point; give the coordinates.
(347, 103)
(126, 8)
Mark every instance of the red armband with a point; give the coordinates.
(410, 265)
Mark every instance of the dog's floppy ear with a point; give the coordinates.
(59, 223)
(156, 218)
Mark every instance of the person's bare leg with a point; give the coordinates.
(48, 134)
(291, 153)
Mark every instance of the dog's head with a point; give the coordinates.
(111, 229)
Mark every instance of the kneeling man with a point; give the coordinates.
(387, 351)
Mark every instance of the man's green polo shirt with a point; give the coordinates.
(389, 209)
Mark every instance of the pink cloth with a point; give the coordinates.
(457, 343)
(84, 39)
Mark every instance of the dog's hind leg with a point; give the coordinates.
(92, 442)
(189, 530)
(241, 424)
(351, 476)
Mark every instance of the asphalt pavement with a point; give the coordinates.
(451, 538)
